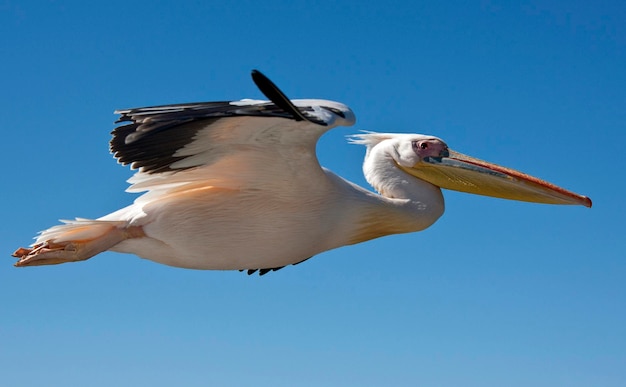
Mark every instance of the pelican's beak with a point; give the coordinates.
(463, 173)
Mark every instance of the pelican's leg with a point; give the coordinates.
(64, 248)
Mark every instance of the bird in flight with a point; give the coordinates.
(236, 185)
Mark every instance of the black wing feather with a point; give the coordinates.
(267, 270)
(274, 94)
(154, 152)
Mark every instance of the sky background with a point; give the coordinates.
(496, 293)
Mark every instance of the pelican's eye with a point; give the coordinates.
(430, 148)
(419, 145)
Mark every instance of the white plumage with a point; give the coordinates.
(237, 185)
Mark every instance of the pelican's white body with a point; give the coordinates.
(217, 228)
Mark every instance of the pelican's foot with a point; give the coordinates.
(49, 253)
(76, 242)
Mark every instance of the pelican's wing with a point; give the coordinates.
(226, 142)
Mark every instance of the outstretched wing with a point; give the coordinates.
(227, 140)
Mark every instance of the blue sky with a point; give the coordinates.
(496, 293)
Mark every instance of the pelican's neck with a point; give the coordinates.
(405, 203)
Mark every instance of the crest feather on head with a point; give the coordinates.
(369, 139)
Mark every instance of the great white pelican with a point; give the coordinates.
(237, 186)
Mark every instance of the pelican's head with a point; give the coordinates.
(428, 158)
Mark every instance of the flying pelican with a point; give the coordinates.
(237, 186)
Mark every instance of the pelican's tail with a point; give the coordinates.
(75, 240)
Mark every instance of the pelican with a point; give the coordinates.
(237, 186)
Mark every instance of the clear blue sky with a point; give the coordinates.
(496, 293)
